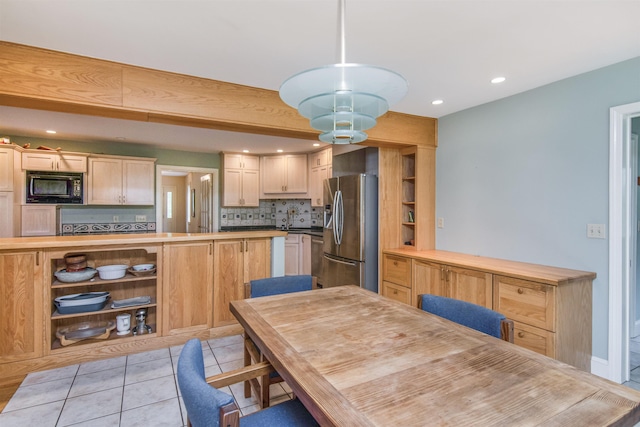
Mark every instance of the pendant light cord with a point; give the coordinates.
(342, 37)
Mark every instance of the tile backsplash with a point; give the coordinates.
(276, 213)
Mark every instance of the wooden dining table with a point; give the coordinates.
(355, 358)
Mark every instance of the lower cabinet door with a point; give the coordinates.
(187, 287)
(228, 267)
(22, 309)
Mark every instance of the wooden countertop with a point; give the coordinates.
(522, 270)
(42, 242)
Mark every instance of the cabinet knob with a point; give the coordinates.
(395, 292)
(395, 263)
(520, 334)
(520, 291)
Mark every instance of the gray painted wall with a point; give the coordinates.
(520, 178)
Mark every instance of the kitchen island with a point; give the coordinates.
(196, 277)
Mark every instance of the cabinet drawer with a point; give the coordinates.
(396, 292)
(292, 238)
(524, 301)
(534, 339)
(397, 270)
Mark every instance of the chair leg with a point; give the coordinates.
(247, 362)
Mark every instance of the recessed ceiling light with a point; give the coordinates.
(437, 102)
(245, 151)
(51, 131)
(498, 80)
(279, 151)
(315, 144)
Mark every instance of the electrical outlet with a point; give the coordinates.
(116, 218)
(595, 231)
(440, 222)
(141, 218)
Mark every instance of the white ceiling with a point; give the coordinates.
(447, 49)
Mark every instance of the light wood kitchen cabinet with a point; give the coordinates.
(550, 306)
(546, 316)
(38, 220)
(241, 180)
(187, 287)
(236, 262)
(11, 191)
(396, 278)
(6, 213)
(39, 160)
(453, 282)
(320, 168)
(124, 288)
(6, 170)
(396, 292)
(284, 174)
(21, 314)
(114, 180)
(297, 254)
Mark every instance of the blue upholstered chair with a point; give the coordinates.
(279, 285)
(470, 315)
(210, 407)
(261, 288)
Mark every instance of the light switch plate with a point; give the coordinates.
(595, 231)
(141, 218)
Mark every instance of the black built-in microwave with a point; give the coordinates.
(54, 187)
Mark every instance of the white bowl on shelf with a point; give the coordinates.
(75, 276)
(143, 267)
(110, 272)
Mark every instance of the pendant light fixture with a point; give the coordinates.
(343, 100)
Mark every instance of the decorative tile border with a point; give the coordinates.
(109, 228)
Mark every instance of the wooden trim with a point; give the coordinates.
(240, 375)
(44, 79)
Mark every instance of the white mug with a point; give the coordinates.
(123, 323)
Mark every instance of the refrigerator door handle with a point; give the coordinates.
(339, 217)
(352, 264)
(334, 217)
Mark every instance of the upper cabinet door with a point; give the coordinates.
(53, 161)
(6, 169)
(274, 174)
(285, 174)
(138, 182)
(104, 181)
(297, 174)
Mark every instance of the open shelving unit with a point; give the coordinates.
(129, 286)
(409, 208)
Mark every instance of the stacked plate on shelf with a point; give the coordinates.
(81, 303)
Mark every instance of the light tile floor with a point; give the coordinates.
(136, 390)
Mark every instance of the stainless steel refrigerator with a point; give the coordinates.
(351, 232)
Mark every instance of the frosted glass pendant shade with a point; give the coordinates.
(343, 99)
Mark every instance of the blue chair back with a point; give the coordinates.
(202, 401)
(280, 285)
(465, 313)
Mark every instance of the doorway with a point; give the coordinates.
(187, 211)
(623, 226)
